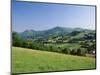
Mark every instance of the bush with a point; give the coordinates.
(66, 51)
(73, 52)
(81, 52)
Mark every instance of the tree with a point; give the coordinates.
(16, 39)
(74, 51)
(89, 45)
(81, 51)
(66, 51)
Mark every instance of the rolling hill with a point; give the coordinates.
(28, 60)
(56, 31)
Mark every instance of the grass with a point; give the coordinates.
(28, 60)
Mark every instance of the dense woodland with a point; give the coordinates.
(74, 41)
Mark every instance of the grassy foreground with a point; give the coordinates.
(28, 60)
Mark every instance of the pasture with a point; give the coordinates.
(28, 60)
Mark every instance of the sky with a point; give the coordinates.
(43, 16)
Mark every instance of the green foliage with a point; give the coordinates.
(66, 51)
(81, 52)
(73, 43)
(89, 45)
(74, 33)
(74, 51)
(17, 41)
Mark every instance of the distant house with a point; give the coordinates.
(92, 52)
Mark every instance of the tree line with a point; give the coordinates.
(86, 46)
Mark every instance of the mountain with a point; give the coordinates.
(56, 31)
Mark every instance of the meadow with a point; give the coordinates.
(30, 60)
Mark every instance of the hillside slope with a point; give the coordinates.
(28, 60)
(58, 31)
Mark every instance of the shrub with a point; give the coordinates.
(81, 51)
(73, 52)
(66, 51)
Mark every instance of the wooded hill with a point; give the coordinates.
(76, 41)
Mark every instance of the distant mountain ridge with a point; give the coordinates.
(56, 31)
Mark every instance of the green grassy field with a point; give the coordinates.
(28, 60)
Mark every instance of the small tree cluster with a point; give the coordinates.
(79, 51)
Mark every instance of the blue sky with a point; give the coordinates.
(42, 16)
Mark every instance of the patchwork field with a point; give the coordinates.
(65, 45)
(29, 60)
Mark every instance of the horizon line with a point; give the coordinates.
(54, 27)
